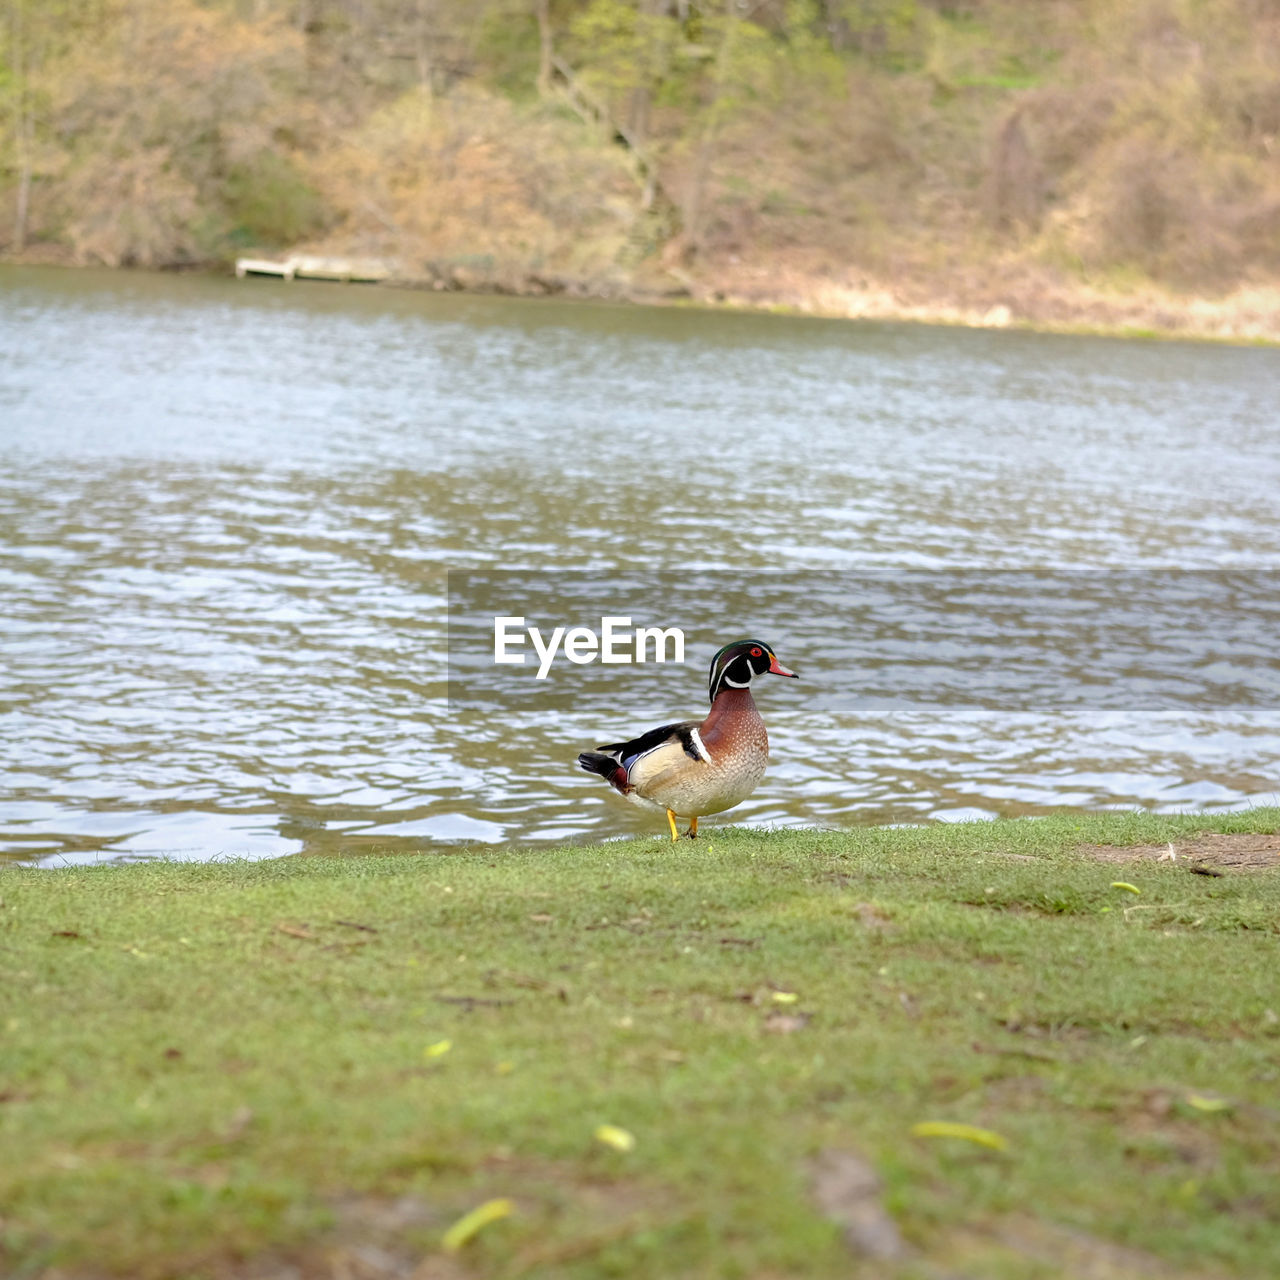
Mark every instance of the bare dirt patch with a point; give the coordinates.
(398, 1238)
(848, 1191)
(1212, 850)
(1061, 1251)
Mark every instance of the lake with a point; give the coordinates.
(1016, 572)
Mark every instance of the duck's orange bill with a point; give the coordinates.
(776, 668)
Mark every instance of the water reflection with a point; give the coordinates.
(227, 510)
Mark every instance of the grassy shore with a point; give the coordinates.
(229, 1070)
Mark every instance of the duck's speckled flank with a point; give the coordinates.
(738, 744)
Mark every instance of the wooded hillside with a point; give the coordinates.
(756, 147)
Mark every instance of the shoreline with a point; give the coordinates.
(1039, 303)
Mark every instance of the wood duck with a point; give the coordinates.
(697, 767)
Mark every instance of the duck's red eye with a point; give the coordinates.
(755, 653)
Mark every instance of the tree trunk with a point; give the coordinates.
(421, 50)
(546, 50)
(21, 129)
(651, 66)
(22, 212)
(696, 195)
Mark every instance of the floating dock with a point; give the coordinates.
(309, 267)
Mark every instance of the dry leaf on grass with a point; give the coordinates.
(470, 1224)
(785, 1023)
(617, 1138)
(965, 1132)
(238, 1125)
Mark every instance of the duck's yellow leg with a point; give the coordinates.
(671, 822)
(692, 833)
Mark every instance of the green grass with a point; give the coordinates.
(206, 1063)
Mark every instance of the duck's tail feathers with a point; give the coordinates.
(610, 768)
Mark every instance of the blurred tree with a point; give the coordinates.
(1094, 135)
(33, 35)
(170, 122)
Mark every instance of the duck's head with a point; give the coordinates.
(737, 665)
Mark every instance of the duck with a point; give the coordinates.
(693, 768)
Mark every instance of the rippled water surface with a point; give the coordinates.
(227, 510)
